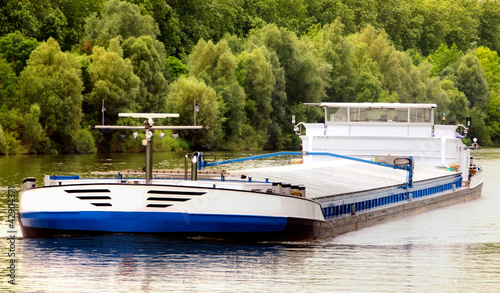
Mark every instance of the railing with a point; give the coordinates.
(406, 165)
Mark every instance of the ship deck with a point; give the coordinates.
(341, 177)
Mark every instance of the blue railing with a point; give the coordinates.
(407, 167)
(346, 209)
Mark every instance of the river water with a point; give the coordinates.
(452, 249)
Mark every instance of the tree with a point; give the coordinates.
(368, 85)
(291, 15)
(443, 57)
(399, 20)
(4, 146)
(182, 93)
(328, 11)
(470, 79)
(216, 65)
(493, 116)
(364, 11)
(7, 86)
(174, 68)
(490, 62)
(458, 108)
(75, 13)
(338, 51)
(208, 20)
(280, 132)
(54, 25)
(434, 24)
(306, 75)
(380, 60)
(113, 80)
(148, 56)
(16, 49)
(463, 23)
(257, 78)
(478, 127)
(32, 133)
(118, 18)
(168, 23)
(489, 28)
(18, 15)
(52, 79)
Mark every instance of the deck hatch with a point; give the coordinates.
(168, 199)
(176, 192)
(154, 205)
(87, 190)
(93, 197)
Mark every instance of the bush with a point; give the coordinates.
(83, 142)
(4, 147)
(13, 144)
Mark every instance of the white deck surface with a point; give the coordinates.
(340, 176)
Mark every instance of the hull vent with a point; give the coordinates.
(155, 205)
(101, 204)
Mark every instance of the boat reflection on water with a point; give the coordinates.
(142, 263)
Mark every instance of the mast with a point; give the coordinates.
(149, 129)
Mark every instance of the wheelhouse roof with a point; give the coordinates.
(373, 105)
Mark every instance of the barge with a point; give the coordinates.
(366, 164)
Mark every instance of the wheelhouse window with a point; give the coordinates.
(378, 115)
(421, 115)
(353, 114)
(336, 115)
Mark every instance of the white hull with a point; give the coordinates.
(160, 209)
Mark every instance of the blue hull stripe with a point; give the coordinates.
(151, 222)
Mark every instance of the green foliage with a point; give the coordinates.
(306, 75)
(174, 68)
(191, 21)
(399, 20)
(443, 57)
(52, 79)
(167, 20)
(489, 28)
(493, 116)
(490, 62)
(16, 49)
(9, 143)
(118, 18)
(113, 81)
(338, 52)
(183, 92)
(147, 56)
(250, 64)
(216, 65)
(18, 15)
(4, 147)
(32, 133)
(53, 26)
(458, 107)
(83, 142)
(478, 127)
(168, 143)
(258, 81)
(7, 85)
(470, 78)
(368, 86)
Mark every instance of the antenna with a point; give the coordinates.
(148, 127)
